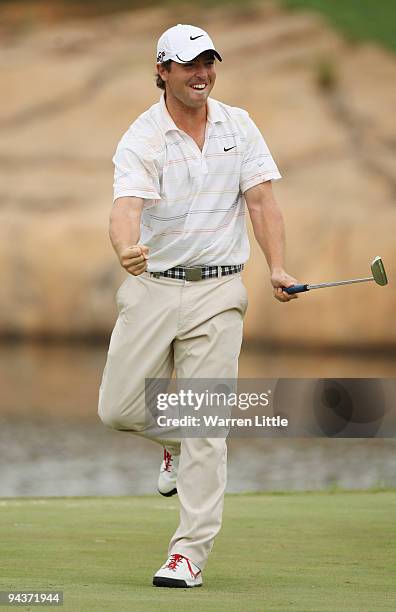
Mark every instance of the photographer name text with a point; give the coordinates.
(216, 421)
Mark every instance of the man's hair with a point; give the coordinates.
(158, 81)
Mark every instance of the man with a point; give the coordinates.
(183, 172)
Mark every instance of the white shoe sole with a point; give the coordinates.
(173, 583)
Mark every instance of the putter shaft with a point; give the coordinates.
(377, 269)
(344, 282)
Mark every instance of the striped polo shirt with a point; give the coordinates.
(194, 208)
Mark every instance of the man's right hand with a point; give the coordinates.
(134, 259)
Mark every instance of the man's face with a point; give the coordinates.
(192, 82)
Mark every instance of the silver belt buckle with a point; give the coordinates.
(193, 274)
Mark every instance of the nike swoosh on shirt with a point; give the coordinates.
(195, 37)
(225, 150)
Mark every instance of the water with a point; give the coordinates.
(52, 443)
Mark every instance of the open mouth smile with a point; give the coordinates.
(199, 86)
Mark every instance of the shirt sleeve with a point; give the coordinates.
(135, 173)
(258, 165)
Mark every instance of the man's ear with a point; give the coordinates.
(162, 71)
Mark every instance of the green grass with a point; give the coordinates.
(357, 19)
(293, 551)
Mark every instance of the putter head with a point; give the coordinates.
(378, 271)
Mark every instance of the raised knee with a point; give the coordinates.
(109, 416)
(113, 417)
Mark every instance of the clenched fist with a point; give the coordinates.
(134, 259)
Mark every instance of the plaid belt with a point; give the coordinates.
(198, 273)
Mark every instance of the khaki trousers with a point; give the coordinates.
(194, 328)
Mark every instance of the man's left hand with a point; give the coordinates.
(279, 279)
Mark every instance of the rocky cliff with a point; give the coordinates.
(325, 107)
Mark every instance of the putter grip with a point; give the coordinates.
(296, 289)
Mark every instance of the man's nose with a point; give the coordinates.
(201, 72)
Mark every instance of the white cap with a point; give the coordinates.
(182, 43)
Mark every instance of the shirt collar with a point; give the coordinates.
(215, 114)
(166, 120)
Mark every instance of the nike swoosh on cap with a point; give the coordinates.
(229, 148)
(195, 37)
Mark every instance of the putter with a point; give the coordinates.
(378, 275)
